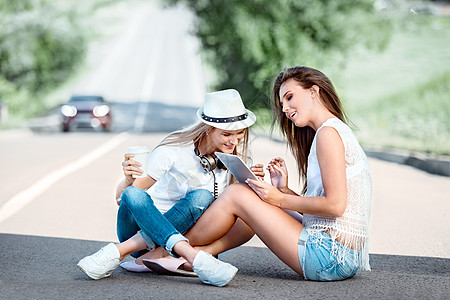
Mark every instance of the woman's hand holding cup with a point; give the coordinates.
(135, 163)
(131, 167)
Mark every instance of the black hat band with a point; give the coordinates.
(224, 120)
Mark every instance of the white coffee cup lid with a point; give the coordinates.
(138, 149)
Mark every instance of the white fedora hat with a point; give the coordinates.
(225, 110)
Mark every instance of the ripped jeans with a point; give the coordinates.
(137, 213)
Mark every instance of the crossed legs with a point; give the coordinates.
(232, 220)
(278, 230)
(137, 211)
(182, 216)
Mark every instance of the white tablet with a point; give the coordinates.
(236, 166)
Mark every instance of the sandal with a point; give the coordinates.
(167, 266)
(132, 266)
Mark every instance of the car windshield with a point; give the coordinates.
(86, 98)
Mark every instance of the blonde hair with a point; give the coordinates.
(195, 133)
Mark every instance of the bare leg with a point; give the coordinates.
(158, 252)
(239, 234)
(218, 230)
(278, 230)
(136, 243)
(133, 244)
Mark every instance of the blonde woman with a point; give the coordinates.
(183, 176)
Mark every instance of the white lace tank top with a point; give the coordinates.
(352, 228)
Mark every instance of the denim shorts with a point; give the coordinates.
(317, 262)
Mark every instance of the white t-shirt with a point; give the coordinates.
(177, 171)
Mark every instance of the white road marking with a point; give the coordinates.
(17, 202)
(149, 81)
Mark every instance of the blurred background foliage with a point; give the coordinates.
(41, 43)
(400, 98)
(249, 42)
(389, 59)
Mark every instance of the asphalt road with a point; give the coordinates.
(62, 185)
(44, 268)
(57, 205)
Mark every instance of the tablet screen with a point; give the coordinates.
(236, 166)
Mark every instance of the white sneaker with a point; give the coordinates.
(213, 271)
(101, 264)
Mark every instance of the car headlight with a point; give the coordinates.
(68, 110)
(101, 110)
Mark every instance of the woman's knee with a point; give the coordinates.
(238, 196)
(198, 202)
(237, 192)
(200, 198)
(133, 196)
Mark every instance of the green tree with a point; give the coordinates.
(41, 43)
(249, 42)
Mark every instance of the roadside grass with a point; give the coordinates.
(416, 119)
(400, 98)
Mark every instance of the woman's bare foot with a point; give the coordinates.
(156, 253)
(186, 267)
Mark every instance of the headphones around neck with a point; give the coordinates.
(209, 162)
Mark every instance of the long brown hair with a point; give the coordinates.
(300, 138)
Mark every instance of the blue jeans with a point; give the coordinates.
(317, 262)
(137, 213)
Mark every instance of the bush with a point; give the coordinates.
(40, 45)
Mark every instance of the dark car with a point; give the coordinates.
(86, 111)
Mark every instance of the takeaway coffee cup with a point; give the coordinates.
(140, 155)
